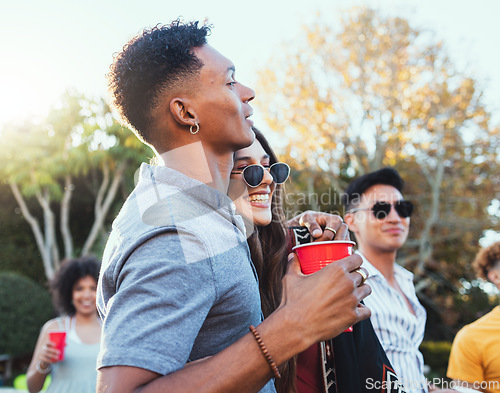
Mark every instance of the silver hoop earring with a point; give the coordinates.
(197, 128)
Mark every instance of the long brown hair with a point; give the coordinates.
(268, 249)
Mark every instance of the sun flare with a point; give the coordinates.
(21, 98)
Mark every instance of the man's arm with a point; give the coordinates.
(312, 310)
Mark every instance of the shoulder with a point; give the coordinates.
(490, 319)
(181, 246)
(53, 324)
(465, 336)
(404, 273)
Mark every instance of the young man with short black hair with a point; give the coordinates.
(379, 217)
(178, 293)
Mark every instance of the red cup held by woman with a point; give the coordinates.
(59, 339)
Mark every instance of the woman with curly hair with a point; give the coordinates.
(74, 294)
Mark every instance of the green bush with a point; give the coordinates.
(436, 355)
(24, 307)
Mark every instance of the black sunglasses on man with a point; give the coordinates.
(382, 209)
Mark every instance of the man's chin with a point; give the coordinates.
(247, 141)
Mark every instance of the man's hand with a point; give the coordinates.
(318, 222)
(325, 303)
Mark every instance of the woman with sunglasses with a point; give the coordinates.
(256, 189)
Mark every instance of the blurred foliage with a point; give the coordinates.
(436, 355)
(373, 91)
(19, 252)
(68, 171)
(24, 309)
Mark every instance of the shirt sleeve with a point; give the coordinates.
(159, 306)
(465, 358)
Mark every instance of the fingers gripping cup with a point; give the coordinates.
(314, 256)
(59, 339)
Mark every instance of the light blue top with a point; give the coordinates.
(77, 373)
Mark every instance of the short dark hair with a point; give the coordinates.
(155, 60)
(387, 176)
(487, 259)
(69, 273)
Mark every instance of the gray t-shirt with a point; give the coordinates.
(176, 283)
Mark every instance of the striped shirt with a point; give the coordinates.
(399, 331)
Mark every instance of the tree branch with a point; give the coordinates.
(35, 228)
(103, 208)
(65, 210)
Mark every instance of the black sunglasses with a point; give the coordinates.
(254, 174)
(382, 209)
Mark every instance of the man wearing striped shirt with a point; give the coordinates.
(379, 217)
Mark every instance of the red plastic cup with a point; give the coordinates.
(316, 255)
(59, 339)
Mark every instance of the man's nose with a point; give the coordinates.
(247, 93)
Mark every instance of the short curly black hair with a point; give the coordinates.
(386, 176)
(152, 62)
(69, 273)
(487, 259)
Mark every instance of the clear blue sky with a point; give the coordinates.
(47, 46)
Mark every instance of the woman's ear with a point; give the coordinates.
(494, 276)
(182, 111)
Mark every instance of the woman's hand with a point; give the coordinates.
(48, 354)
(322, 226)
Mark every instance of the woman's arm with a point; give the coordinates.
(44, 355)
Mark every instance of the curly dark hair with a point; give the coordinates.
(487, 259)
(156, 60)
(69, 273)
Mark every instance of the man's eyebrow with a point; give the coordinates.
(231, 68)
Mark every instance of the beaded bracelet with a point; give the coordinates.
(265, 352)
(41, 370)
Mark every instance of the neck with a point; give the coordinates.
(198, 163)
(383, 261)
(86, 319)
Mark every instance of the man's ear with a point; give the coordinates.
(182, 111)
(351, 223)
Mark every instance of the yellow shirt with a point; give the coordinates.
(475, 353)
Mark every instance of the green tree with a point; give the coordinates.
(78, 143)
(377, 92)
(25, 307)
